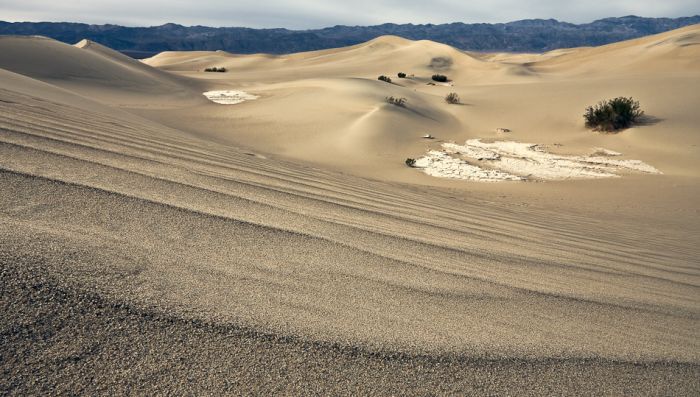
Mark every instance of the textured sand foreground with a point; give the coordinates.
(154, 242)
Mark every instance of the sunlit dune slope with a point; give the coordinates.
(331, 100)
(383, 55)
(94, 70)
(673, 52)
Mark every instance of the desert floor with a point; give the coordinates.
(155, 242)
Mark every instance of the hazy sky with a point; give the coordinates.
(298, 14)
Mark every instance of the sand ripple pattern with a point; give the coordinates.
(140, 229)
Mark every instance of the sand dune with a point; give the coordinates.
(352, 126)
(676, 51)
(156, 241)
(387, 54)
(94, 71)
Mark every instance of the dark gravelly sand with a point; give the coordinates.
(60, 340)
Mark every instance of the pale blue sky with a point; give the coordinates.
(300, 14)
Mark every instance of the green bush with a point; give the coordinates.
(384, 78)
(613, 114)
(452, 98)
(401, 102)
(402, 75)
(440, 78)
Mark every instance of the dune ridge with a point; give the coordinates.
(93, 70)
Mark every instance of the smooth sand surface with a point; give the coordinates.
(155, 242)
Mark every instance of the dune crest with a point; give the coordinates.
(94, 71)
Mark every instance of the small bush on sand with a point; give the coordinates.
(441, 78)
(396, 101)
(452, 98)
(384, 78)
(613, 114)
(220, 70)
(402, 75)
(411, 162)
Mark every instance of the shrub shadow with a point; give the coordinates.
(647, 120)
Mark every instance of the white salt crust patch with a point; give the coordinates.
(229, 97)
(516, 161)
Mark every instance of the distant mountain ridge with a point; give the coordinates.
(532, 35)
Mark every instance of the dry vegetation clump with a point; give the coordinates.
(402, 75)
(613, 114)
(411, 162)
(220, 70)
(386, 79)
(452, 98)
(401, 102)
(440, 78)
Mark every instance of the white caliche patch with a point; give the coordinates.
(229, 97)
(442, 164)
(517, 161)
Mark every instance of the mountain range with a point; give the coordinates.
(532, 35)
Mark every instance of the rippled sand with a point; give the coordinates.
(152, 242)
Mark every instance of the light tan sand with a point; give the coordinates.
(97, 72)
(149, 235)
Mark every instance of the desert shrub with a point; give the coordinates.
(452, 98)
(396, 101)
(402, 75)
(220, 70)
(411, 162)
(613, 114)
(384, 78)
(440, 78)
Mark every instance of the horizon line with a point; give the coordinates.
(351, 26)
